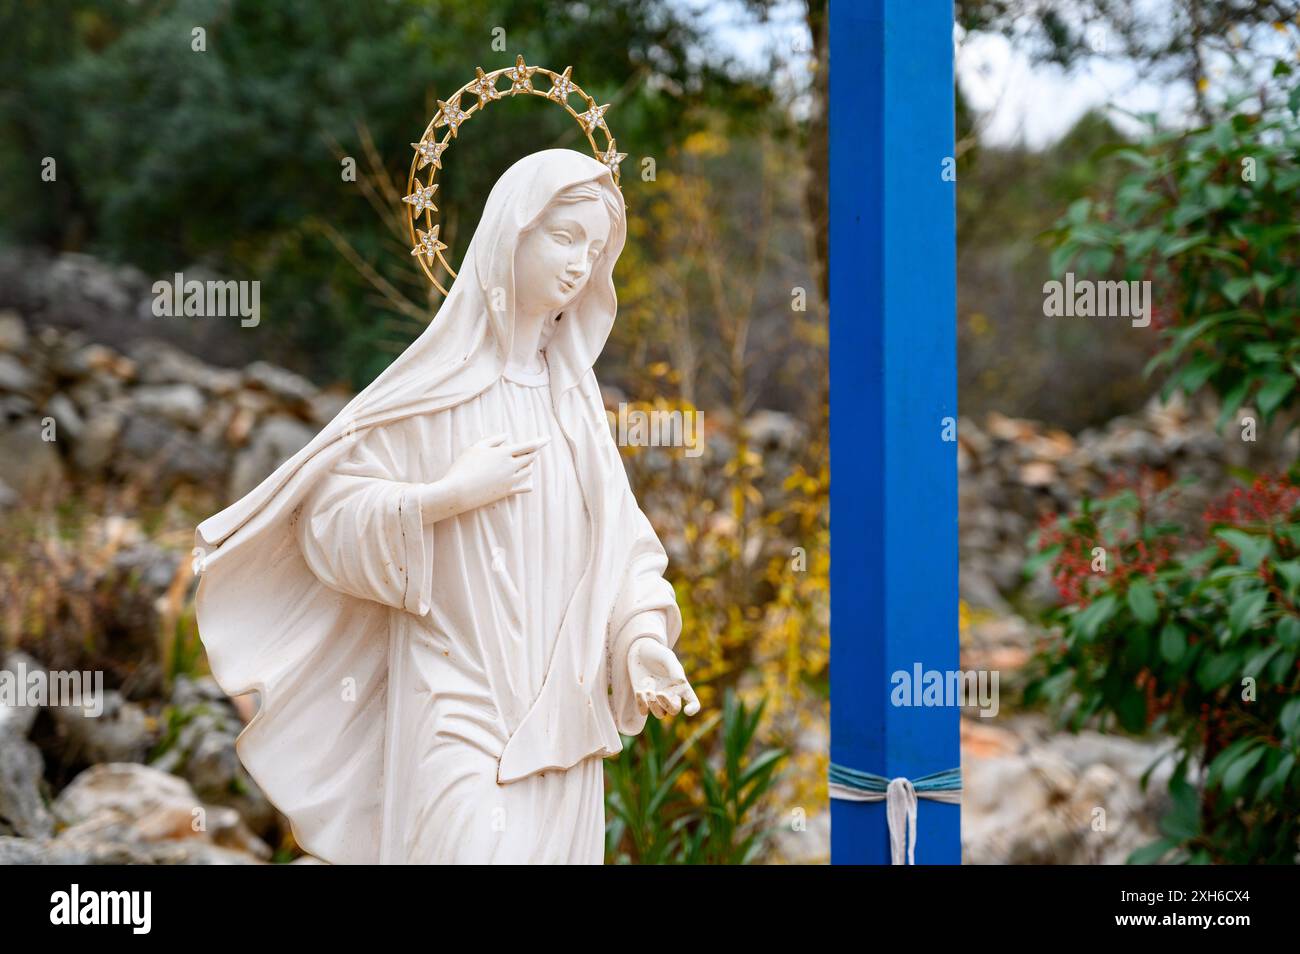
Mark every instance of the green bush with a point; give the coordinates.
(667, 802)
(1208, 216)
(1195, 632)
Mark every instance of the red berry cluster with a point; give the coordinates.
(1266, 500)
(1072, 568)
(1129, 552)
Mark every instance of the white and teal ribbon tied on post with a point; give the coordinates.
(900, 797)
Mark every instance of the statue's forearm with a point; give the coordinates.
(440, 500)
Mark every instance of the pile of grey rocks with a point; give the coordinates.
(151, 783)
(152, 414)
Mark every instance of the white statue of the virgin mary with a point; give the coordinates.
(449, 601)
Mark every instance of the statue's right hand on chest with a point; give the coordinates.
(483, 473)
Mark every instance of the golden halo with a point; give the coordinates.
(428, 151)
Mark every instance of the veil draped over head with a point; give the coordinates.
(318, 658)
(465, 347)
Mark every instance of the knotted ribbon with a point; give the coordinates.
(900, 797)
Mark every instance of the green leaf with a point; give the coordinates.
(1152, 853)
(1288, 180)
(1289, 570)
(1235, 289)
(1061, 257)
(1245, 610)
(1077, 214)
(1127, 153)
(1274, 391)
(1199, 558)
(1171, 247)
(1235, 774)
(1288, 632)
(1036, 561)
(1223, 136)
(1233, 398)
(1281, 665)
(1219, 196)
(1255, 665)
(1142, 601)
(1251, 548)
(1195, 373)
(1089, 620)
(1137, 646)
(1277, 778)
(1186, 335)
(1224, 760)
(1173, 643)
(1289, 718)
(1132, 710)
(1187, 213)
(1217, 670)
(1265, 283)
(1223, 255)
(1263, 352)
(1138, 244)
(1221, 573)
(1183, 820)
(1096, 261)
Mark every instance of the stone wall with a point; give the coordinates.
(150, 413)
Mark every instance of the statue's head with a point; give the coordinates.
(551, 231)
(562, 249)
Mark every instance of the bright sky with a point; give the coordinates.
(1038, 103)
(783, 38)
(1020, 101)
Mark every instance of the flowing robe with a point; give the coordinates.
(477, 605)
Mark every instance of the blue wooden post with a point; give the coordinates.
(892, 382)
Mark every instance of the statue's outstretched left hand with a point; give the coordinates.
(659, 680)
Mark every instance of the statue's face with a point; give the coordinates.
(554, 259)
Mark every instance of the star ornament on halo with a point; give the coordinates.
(561, 86)
(422, 197)
(521, 76)
(432, 144)
(613, 157)
(450, 115)
(594, 118)
(429, 245)
(484, 87)
(430, 151)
